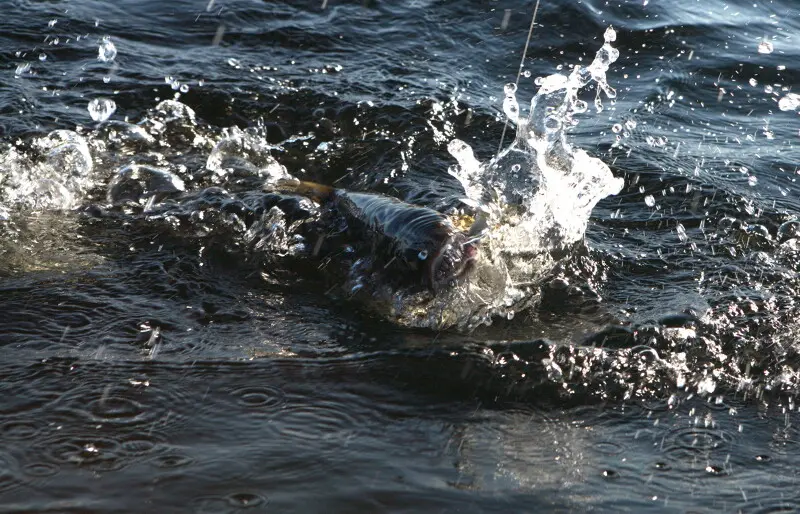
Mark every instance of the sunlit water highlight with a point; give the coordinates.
(164, 327)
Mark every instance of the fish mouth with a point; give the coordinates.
(452, 261)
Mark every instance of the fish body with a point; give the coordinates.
(410, 238)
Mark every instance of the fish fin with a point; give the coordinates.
(317, 192)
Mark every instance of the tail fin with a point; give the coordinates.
(317, 192)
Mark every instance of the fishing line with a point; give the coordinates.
(521, 64)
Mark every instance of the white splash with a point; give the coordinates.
(537, 195)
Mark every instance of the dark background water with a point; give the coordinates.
(152, 368)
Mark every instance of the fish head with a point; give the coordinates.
(451, 260)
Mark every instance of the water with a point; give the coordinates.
(168, 345)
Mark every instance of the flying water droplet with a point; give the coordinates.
(790, 102)
(510, 105)
(650, 201)
(681, 233)
(107, 52)
(100, 109)
(765, 47)
(22, 68)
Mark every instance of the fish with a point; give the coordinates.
(414, 238)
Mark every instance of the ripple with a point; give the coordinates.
(237, 501)
(148, 404)
(116, 408)
(18, 430)
(322, 421)
(609, 448)
(41, 469)
(97, 454)
(9, 474)
(769, 506)
(139, 445)
(662, 466)
(703, 439)
(172, 461)
(696, 440)
(245, 500)
(261, 397)
(609, 474)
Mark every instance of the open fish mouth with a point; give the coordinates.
(453, 260)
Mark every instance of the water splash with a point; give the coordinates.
(536, 196)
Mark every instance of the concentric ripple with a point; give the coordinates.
(261, 397)
(18, 430)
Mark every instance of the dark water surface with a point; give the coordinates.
(160, 360)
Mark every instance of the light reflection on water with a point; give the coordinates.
(153, 358)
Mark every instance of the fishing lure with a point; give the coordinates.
(416, 238)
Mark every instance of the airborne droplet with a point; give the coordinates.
(100, 109)
(107, 52)
(765, 47)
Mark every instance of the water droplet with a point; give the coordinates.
(681, 233)
(617, 128)
(790, 102)
(753, 82)
(184, 88)
(650, 201)
(526, 74)
(22, 68)
(610, 35)
(752, 180)
(765, 47)
(100, 109)
(107, 52)
(42, 56)
(423, 255)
